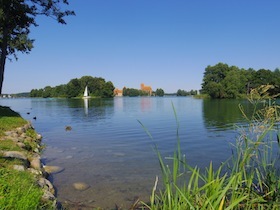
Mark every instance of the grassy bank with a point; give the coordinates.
(249, 179)
(9, 120)
(18, 189)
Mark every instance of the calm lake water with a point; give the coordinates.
(109, 150)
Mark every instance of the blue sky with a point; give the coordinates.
(163, 43)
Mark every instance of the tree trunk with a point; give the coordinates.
(3, 57)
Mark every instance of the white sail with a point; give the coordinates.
(86, 92)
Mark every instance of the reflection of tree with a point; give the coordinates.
(223, 114)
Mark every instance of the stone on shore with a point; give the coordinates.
(14, 154)
(31, 159)
(46, 184)
(48, 196)
(35, 162)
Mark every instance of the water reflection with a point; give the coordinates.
(223, 114)
(74, 110)
(86, 106)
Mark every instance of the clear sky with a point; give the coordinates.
(163, 43)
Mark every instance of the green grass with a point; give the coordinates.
(18, 190)
(10, 162)
(9, 120)
(32, 143)
(249, 179)
(9, 145)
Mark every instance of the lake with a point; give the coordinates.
(109, 150)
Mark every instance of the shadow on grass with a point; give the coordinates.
(7, 112)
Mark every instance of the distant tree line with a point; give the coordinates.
(132, 92)
(186, 93)
(223, 81)
(97, 87)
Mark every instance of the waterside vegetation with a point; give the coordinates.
(19, 188)
(249, 179)
(224, 81)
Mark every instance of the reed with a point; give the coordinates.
(249, 179)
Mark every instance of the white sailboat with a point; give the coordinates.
(86, 93)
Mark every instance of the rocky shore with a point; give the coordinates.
(30, 147)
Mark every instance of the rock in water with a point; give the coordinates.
(53, 169)
(80, 186)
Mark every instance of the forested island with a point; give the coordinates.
(224, 81)
(219, 81)
(97, 87)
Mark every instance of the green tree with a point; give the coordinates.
(16, 19)
(182, 92)
(234, 83)
(73, 88)
(263, 77)
(125, 91)
(277, 81)
(108, 90)
(216, 90)
(35, 93)
(96, 86)
(131, 92)
(193, 92)
(59, 91)
(159, 92)
(213, 76)
(47, 92)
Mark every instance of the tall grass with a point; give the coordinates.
(249, 179)
(18, 190)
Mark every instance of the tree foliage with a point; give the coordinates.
(16, 18)
(223, 81)
(159, 92)
(132, 92)
(97, 87)
(186, 93)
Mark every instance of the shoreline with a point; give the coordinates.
(30, 155)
